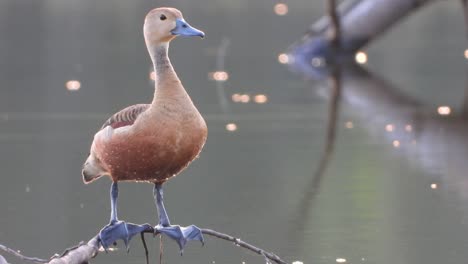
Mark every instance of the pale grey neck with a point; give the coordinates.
(167, 85)
(160, 58)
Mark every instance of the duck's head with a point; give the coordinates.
(164, 24)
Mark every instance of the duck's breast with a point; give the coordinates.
(153, 149)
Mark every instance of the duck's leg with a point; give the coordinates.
(178, 233)
(118, 229)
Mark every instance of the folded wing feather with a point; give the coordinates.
(126, 116)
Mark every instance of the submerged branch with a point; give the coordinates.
(84, 252)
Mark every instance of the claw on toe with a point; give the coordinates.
(181, 234)
(120, 230)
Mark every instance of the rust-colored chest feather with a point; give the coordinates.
(158, 146)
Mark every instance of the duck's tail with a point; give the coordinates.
(92, 170)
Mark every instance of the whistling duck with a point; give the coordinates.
(151, 142)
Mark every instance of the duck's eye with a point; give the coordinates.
(162, 17)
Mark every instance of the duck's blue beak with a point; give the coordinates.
(184, 29)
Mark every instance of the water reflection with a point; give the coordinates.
(73, 85)
(283, 58)
(298, 262)
(220, 76)
(333, 82)
(281, 9)
(231, 127)
(444, 110)
(361, 57)
(435, 141)
(260, 98)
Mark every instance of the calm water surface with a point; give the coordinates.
(394, 186)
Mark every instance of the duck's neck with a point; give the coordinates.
(167, 84)
(159, 56)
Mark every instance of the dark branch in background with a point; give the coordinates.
(464, 110)
(465, 13)
(84, 252)
(312, 189)
(334, 81)
(333, 85)
(465, 100)
(360, 22)
(335, 24)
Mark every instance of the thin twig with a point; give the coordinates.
(20, 256)
(146, 248)
(161, 249)
(239, 242)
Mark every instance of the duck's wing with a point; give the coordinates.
(126, 116)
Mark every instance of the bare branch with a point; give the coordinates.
(80, 254)
(20, 256)
(84, 252)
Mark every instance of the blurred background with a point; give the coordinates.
(392, 189)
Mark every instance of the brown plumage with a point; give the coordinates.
(150, 142)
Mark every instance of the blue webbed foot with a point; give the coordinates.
(120, 230)
(178, 233)
(181, 234)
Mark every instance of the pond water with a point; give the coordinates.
(392, 188)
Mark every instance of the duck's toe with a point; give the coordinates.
(181, 234)
(120, 230)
